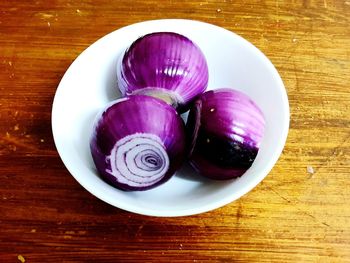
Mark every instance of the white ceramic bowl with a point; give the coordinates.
(90, 83)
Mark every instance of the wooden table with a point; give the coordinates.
(299, 213)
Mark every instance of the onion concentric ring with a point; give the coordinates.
(139, 159)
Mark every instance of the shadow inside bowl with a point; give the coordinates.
(82, 142)
(186, 172)
(111, 88)
(110, 93)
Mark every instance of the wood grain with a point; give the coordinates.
(292, 216)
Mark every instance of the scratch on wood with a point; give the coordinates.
(18, 143)
(44, 15)
(334, 152)
(277, 15)
(300, 210)
(313, 217)
(297, 86)
(239, 213)
(296, 45)
(281, 196)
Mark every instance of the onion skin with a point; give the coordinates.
(165, 65)
(225, 131)
(138, 143)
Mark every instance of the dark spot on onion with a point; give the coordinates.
(223, 152)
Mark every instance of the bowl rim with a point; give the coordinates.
(209, 206)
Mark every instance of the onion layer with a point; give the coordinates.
(226, 128)
(138, 142)
(164, 65)
(139, 159)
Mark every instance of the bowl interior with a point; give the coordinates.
(90, 83)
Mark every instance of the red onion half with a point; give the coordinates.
(138, 142)
(226, 128)
(165, 65)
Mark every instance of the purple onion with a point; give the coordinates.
(165, 65)
(226, 128)
(138, 142)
